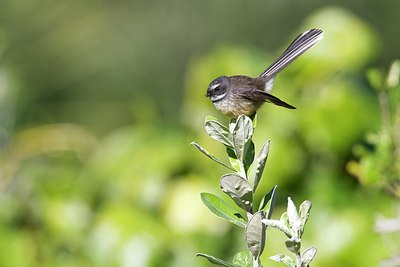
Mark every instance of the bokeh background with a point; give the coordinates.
(99, 101)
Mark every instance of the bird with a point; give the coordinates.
(239, 94)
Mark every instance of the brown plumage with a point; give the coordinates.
(236, 95)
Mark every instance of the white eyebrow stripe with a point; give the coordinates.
(214, 86)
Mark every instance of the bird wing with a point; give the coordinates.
(301, 44)
(262, 96)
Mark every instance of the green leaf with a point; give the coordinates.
(284, 259)
(258, 169)
(268, 202)
(308, 256)
(249, 157)
(232, 159)
(222, 209)
(304, 212)
(241, 136)
(219, 132)
(293, 244)
(238, 189)
(211, 156)
(293, 217)
(256, 234)
(215, 260)
(243, 259)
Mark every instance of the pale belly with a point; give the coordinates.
(236, 108)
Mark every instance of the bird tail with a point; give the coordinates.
(301, 44)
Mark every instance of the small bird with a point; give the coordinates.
(239, 94)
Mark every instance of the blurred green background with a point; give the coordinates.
(99, 101)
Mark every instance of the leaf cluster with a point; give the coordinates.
(379, 162)
(240, 185)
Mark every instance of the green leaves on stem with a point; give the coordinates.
(240, 186)
(378, 159)
(292, 223)
(242, 143)
(236, 139)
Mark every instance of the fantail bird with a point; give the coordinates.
(237, 95)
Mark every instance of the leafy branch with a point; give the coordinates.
(380, 166)
(378, 163)
(240, 185)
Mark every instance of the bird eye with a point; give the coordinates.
(215, 87)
